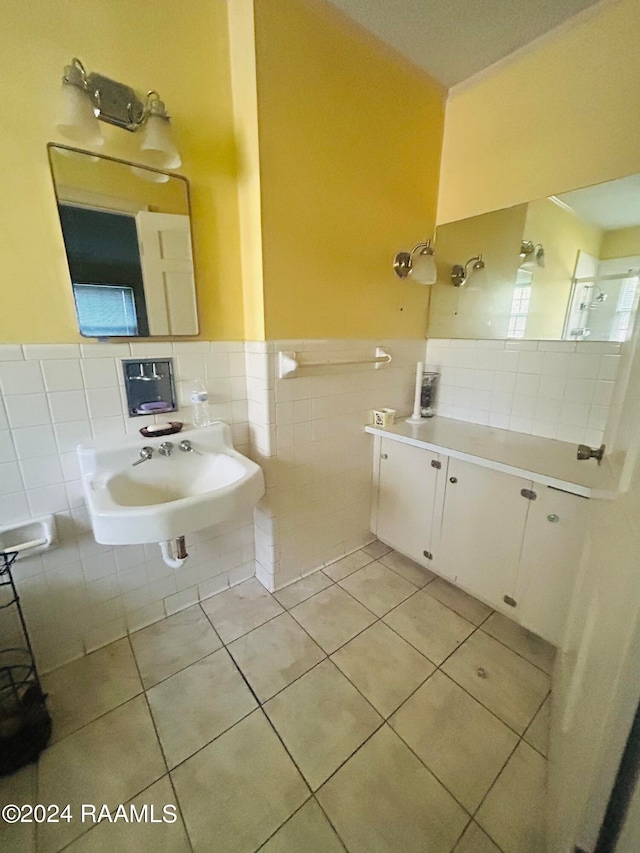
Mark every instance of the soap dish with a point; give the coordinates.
(174, 426)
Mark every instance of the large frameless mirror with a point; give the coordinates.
(127, 236)
(562, 268)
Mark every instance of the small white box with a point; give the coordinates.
(384, 417)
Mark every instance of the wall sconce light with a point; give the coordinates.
(422, 269)
(88, 97)
(460, 274)
(531, 256)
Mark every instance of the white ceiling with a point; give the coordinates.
(615, 204)
(454, 39)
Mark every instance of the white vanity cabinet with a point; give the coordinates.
(508, 540)
(405, 499)
(483, 525)
(553, 538)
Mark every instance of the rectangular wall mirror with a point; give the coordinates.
(127, 235)
(562, 268)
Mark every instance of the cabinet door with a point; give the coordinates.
(482, 531)
(553, 540)
(406, 491)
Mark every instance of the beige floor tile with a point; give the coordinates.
(461, 742)
(514, 812)
(463, 604)
(308, 831)
(475, 840)
(197, 704)
(537, 735)
(376, 549)
(236, 792)
(383, 800)
(428, 625)
(416, 574)
(536, 650)
(500, 679)
(344, 567)
(143, 837)
(241, 609)
(378, 588)
(274, 655)
(20, 789)
(87, 688)
(332, 617)
(168, 646)
(322, 719)
(301, 590)
(108, 761)
(383, 667)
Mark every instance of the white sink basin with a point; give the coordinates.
(165, 497)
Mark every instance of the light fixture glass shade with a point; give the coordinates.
(423, 268)
(76, 118)
(157, 144)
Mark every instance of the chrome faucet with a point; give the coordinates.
(187, 447)
(145, 453)
(166, 448)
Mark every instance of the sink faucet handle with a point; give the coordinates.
(186, 446)
(145, 453)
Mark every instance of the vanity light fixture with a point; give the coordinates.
(460, 274)
(422, 269)
(88, 97)
(531, 255)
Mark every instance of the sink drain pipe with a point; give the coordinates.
(178, 546)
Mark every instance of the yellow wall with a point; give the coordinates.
(621, 243)
(563, 235)
(180, 49)
(563, 116)
(350, 140)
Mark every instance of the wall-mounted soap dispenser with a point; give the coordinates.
(150, 386)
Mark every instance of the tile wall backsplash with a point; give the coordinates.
(555, 389)
(307, 433)
(81, 595)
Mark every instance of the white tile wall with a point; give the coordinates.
(307, 433)
(555, 389)
(81, 595)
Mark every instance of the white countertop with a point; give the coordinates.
(544, 460)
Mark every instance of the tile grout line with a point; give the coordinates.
(162, 752)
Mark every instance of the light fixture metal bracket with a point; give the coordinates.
(114, 102)
(403, 261)
(460, 274)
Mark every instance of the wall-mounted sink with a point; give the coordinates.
(163, 497)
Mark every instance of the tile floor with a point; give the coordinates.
(371, 707)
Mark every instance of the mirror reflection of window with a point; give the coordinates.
(105, 310)
(103, 253)
(520, 305)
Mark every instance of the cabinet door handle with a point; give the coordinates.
(453, 479)
(553, 517)
(383, 456)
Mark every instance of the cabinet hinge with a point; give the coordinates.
(436, 464)
(428, 555)
(529, 494)
(510, 601)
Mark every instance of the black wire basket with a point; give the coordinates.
(25, 724)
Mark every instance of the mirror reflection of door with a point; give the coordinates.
(127, 236)
(167, 271)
